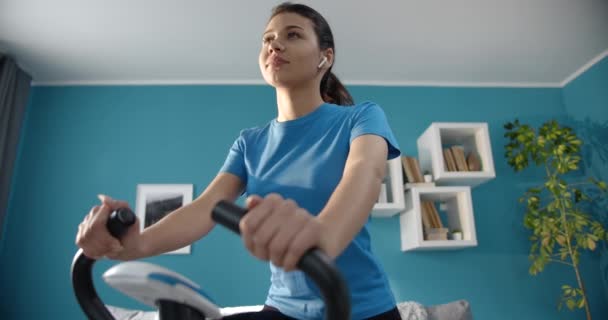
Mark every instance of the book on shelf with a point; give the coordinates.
(473, 161)
(448, 160)
(431, 222)
(412, 169)
(461, 162)
(407, 170)
(455, 159)
(437, 234)
(426, 219)
(417, 171)
(433, 215)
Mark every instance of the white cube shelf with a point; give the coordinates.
(394, 183)
(473, 136)
(459, 210)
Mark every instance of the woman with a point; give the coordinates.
(312, 175)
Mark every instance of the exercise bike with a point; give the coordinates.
(178, 298)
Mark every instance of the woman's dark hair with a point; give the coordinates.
(332, 90)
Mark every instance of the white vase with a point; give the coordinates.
(457, 236)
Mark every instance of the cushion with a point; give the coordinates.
(457, 310)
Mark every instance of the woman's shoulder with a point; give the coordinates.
(253, 132)
(367, 104)
(361, 109)
(360, 106)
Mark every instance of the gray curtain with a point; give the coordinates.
(14, 91)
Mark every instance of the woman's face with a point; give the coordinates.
(290, 52)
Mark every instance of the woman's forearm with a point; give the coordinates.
(179, 228)
(190, 222)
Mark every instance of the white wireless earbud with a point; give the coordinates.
(322, 62)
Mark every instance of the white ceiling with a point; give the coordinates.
(477, 42)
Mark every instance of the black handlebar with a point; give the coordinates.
(82, 269)
(313, 263)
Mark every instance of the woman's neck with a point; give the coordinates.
(293, 103)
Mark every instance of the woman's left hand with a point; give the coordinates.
(278, 230)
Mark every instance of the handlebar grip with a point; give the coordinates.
(120, 221)
(82, 268)
(314, 263)
(229, 215)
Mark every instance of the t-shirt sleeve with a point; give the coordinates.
(235, 161)
(369, 118)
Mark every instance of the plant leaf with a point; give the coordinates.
(581, 303)
(571, 304)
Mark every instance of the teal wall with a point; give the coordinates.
(81, 141)
(586, 101)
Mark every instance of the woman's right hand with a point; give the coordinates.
(95, 239)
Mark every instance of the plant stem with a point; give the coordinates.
(582, 286)
(579, 279)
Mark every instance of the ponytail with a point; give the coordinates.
(333, 91)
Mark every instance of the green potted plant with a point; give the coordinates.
(557, 211)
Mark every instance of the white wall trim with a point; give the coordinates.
(454, 84)
(145, 82)
(584, 68)
(562, 84)
(261, 82)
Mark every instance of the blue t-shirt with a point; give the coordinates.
(303, 160)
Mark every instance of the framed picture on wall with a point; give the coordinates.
(155, 201)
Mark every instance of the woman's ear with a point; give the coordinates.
(327, 59)
(323, 62)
